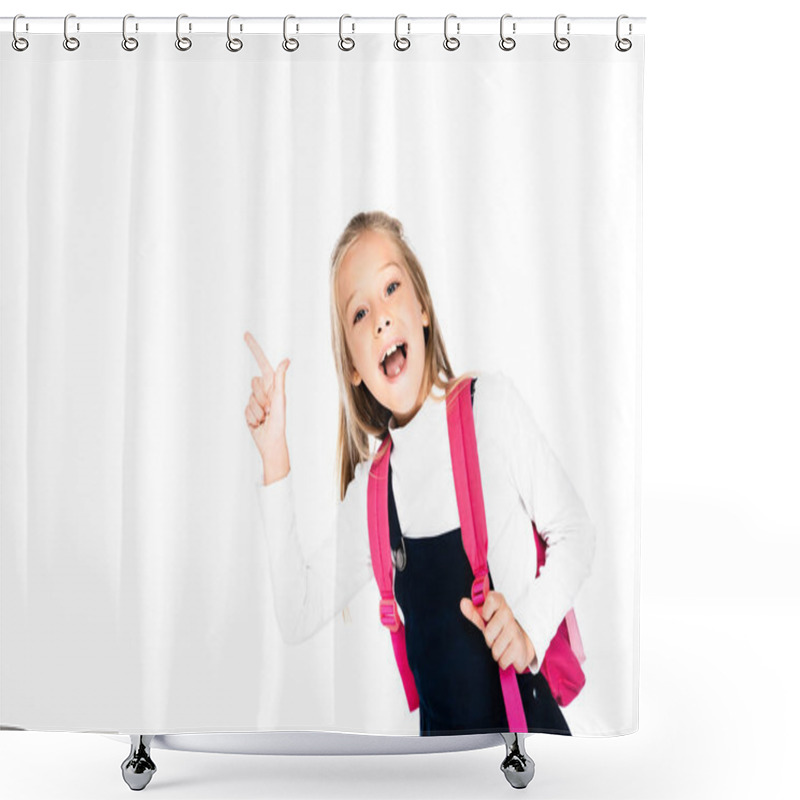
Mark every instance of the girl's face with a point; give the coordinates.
(383, 323)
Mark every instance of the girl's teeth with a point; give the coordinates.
(389, 352)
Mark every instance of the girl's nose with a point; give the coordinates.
(383, 323)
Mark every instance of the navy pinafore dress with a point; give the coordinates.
(456, 676)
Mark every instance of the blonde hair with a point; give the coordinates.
(360, 414)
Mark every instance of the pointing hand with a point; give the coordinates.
(266, 412)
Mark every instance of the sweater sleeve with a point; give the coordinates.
(311, 588)
(560, 517)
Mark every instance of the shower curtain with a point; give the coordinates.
(158, 204)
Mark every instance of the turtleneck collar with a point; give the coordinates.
(421, 425)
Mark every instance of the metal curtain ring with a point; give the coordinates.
(451, 42)
(18, 43)
(401, 43)
(128, 42)
(234, 45)
(623, 45)
(506, 42)
(561, 43)
(290, 45)
(70, 42)
(181, 42)
(346, 43)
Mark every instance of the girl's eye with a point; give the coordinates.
(389, 290)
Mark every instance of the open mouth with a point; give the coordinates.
(394, 359)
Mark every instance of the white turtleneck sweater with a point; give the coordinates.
(522, 481)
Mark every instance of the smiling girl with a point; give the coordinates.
(394, 374)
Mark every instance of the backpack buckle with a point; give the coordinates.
(389, 616)
(480, 590)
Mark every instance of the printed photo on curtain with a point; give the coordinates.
(321, 384)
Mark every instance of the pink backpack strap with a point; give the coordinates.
(381, 552)
(472, 515)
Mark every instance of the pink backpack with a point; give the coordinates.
(561, 666)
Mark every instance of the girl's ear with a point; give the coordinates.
(425, 321)
(356, 378)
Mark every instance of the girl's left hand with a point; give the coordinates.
(508, 642)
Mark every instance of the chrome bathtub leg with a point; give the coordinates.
(518, 766)
(138, 768)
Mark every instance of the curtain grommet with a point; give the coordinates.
(451, 42)
(401, 43)
(289, 45)
(234, 45)
(19, 43)
(561, 43)
(129, 43)
(183, 43)
(345, 42)
(70, 42)
(507, 42)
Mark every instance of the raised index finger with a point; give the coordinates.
(258, 353)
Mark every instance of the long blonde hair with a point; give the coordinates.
(360, 414)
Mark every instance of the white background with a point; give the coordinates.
(719, 603)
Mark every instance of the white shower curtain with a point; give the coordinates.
(158, 204)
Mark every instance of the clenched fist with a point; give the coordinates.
(503, 634)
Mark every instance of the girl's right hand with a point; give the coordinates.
(266, 413)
